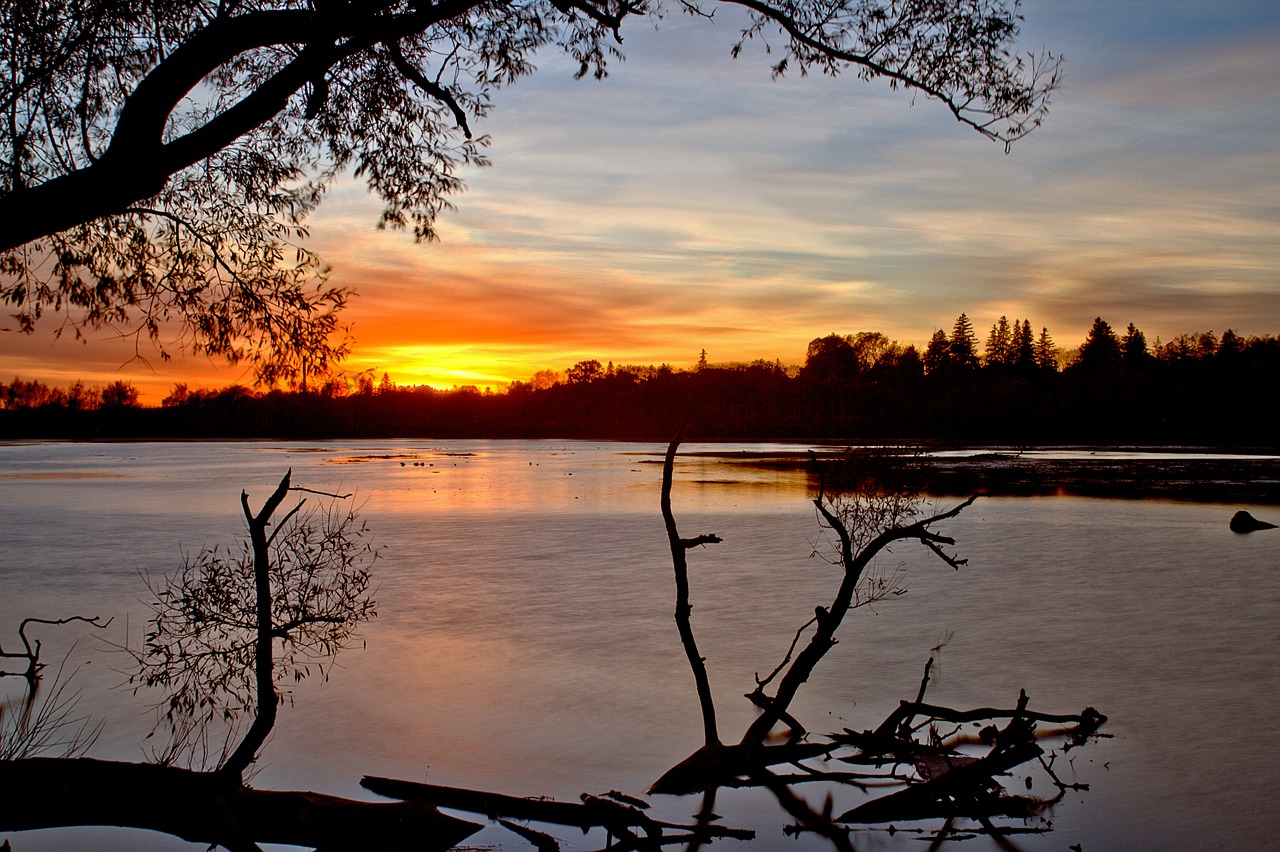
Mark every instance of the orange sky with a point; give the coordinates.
(689, 202)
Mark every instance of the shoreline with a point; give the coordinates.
(1212, 477)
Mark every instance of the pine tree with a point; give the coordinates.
(1046, 353)
(1133, 346)
(964, 345)
(1230, 347)
(1101, 348)
(1024, 355)
(999, 350)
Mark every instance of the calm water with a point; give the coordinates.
(525, 643)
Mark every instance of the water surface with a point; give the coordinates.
(525, 640)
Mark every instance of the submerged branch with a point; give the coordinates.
(31, 652)
(208, 808)
(616, 817)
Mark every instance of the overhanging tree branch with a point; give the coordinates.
(234, 118)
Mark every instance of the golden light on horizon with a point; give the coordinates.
(751, 216)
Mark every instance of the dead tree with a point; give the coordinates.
(679, 547)
(938, 780)
(227, 627)
(715, 764)
(212, 645)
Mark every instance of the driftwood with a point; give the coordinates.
(207, 807)
(623, 819)
(963, 786)
(715, 764)
(720, 765)
(937, 781)
(30, 653)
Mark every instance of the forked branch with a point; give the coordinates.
(829, 620)
(31, 652)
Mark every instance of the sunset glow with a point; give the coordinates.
(689, 202)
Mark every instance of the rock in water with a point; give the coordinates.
(1243, 522)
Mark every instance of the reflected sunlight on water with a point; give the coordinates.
(525, 640)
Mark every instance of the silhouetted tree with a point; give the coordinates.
(1230, 347)
(876, 507)
(830, 359)
(999, 350)
(583, 372)
(225, 629)
(124, 197)
(938, 353)
(1133, 348)
(1046, 352)
(963, 351)
(1198, 346)
(1101, 348)
(119, 394)
(301, 585)
(871, 348)
(1024, 352)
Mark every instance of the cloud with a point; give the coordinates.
(689, 202)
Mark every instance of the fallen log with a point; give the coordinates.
(591, 812)
(203, 807)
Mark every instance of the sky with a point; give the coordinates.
(689, 202)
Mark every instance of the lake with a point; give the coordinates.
(525, 643)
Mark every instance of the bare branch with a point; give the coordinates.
(683, 608)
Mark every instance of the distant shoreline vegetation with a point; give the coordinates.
(1195, 389)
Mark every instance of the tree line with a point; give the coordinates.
(1017, 387)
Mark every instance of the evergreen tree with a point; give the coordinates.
(1046, 353)
(938, 353)
(999, 350)
(1024, 354)
(964, 344)
(1101, 347)
(1133, 347)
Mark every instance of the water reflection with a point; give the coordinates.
(526, 643)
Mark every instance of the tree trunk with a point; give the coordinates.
(205, 807)
(263, 662)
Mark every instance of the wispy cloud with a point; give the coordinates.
(690, 202)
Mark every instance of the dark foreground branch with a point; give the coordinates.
(619, 818)
(684, 608)
(31, 652)
(203, 807)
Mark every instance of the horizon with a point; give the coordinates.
(690, 202)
